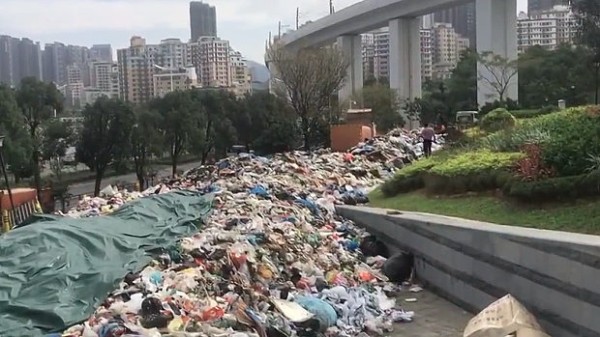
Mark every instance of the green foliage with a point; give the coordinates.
(532, 113)
(546, 76)
(17, 144)
(105, 136)
(468, 163)
(57, 137)
(37, 102)
(508, 104)
(554, 189)
(409, 178)
(385, 105)
(271, 124)
(498, 119)
(461, 93)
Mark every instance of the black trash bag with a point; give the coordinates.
(151, 314)
(398, 268)
(371, 246)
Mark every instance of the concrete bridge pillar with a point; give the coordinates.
(352, 49)
(405, 60)
(496, 33)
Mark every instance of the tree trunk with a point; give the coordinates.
(305, 134)
(17, 179)
(37, 178)
(98, 182)
(174, 158)
(596, 83)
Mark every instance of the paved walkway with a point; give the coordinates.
(434, 317)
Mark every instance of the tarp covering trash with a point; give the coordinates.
(273, 260)
(55, 272)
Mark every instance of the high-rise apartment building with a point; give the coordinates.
(101, 53)
(210, 56)
(241, 78)
(54, 63)
(104, 76)
(447, 47)
(203, 20)
(546, 28)
(19, 58)
(462, 18)
(136, 70)
(426, 54)
(30, 58)
(542, 5)
(440, 51)
(172, 53)
(376, 51)
(168, 80)
(9, 60)
(138, 65)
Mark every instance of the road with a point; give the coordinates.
(88, 186)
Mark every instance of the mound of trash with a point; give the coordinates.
(273, 259)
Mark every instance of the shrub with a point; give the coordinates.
(474, 162)
(531, 113)
(553, 189)
(408, 179)
(471, 171)
(497, 119)
(573, 137)
(531, 167)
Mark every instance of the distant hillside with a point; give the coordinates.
(260, 73)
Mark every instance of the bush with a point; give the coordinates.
(508, 104)
(408, 179)
(497, 119)
(554, 189)
(475, 162)
(573, 138)
(532, 113)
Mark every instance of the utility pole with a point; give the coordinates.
(279, 31)
(331, 10)
(297, 18)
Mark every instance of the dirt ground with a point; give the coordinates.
(434, 317)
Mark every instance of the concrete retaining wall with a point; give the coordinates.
(555, 274)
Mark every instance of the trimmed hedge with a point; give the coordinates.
(532, 113)
(463, 172)
(554, 189)
(498, 119)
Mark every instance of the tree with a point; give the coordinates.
(497, 72)
(144, 142)
(57, 137)
(549, 75)
(587, 13)
(272, 122)
(215, 131)
(105, 136)
(17, 145)
(177, 123)
(385, 105)
(38, 101)
(309, 77)
(462, 85)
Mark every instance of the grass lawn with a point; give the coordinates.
(581, 216)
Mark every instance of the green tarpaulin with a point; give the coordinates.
(56, 271)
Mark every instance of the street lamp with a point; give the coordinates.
(10, 197)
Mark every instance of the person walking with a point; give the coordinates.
(428, 135)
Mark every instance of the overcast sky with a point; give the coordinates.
(246, 23)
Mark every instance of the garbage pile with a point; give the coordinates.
(273, 259)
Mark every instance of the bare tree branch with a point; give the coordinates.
(499, 72)
(309, 78)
